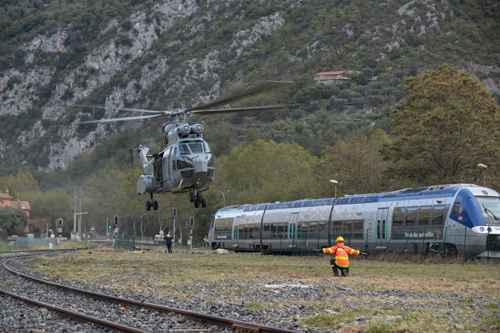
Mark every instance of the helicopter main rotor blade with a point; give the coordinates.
(249, 108)
(268, 85)
(121, 109)
(120, 119)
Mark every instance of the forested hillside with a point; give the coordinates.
(169, 54)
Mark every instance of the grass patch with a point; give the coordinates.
(329, 320)
(256, 305)
(158, 273)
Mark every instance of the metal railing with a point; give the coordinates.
(124, 242)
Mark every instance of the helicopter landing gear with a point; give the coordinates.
(197, 199)
(151, 203)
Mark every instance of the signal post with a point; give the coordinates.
(78, 235)
(190, 226)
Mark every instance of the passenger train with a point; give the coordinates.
(455, 218)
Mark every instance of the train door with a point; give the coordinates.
(381, 227)
(292, 230)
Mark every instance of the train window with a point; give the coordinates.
(313, 230)
(411, 217)
(288, 205)
(322, 230)
(274, 230)
(307, 203)
(241, 230)
(490, 206)
(398, 217)
(438, 215)
(256, 231)
(282, 230)
(302, 230)
(358, 230)
(266, 231)
(456, 208)
(347, 234)
(280, 205)
(329, 202)
(424, 215)
(297, 204)
(262, 207)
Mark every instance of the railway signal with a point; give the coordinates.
(60, 222)
(115, 221)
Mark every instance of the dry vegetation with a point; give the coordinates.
(161, 274)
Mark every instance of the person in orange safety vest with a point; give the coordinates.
(341, 260)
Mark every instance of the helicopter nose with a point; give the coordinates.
(200, 166)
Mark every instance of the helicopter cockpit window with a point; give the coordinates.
(196, 147)
(184, 149)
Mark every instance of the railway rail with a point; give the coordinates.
(92, 305)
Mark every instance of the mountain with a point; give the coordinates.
(169, 54)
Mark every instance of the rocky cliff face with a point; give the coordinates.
(173, 48)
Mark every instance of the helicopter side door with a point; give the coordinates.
(173, 165)
(165, 165)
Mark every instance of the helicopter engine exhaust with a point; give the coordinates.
(184, 130)
(197, 129)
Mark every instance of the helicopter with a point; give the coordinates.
(185, 162)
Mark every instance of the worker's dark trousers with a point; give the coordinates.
(335, 267)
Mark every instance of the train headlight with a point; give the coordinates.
(481, 229)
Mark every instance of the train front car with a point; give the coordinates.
(443, 219)
(474, 222)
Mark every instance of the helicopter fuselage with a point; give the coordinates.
(185, 165)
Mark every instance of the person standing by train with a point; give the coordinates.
(341, 260)
(168, 239)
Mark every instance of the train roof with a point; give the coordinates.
(434, 191)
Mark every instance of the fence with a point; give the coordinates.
(27, 242)
(450, 241)
(124, 242)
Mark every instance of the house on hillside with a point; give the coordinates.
(331, 77)
(6, 200)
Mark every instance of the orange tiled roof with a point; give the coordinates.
(331, 73)
(5, 196)
(24, 205)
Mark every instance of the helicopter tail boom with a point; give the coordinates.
(143, 154)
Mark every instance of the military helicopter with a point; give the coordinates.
(185, 163)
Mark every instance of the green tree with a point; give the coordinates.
(356, 164)
(447, 125)
(267, 172)
(21, 183)
(13, 221)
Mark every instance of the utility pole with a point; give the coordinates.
(80, 218)
(74, 221)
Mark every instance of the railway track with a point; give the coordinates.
(110, 312)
